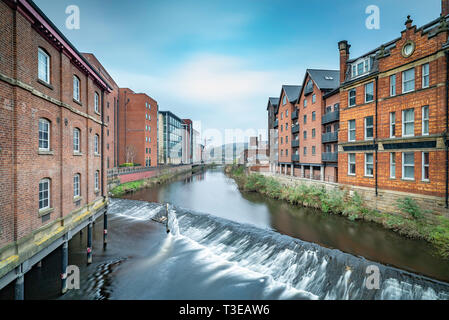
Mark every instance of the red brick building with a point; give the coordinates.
(317, 125)
(137, 128)
(394, 112)
(52, 129)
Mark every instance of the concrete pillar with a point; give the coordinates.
(293, 170)
(105, 229)
(311, 173)
(19, 288)
(302, 171)
(89, 243)
(65, 262)
(322, 173)
(39, 264)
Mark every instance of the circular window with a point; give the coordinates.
(408, 49)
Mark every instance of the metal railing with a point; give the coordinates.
(276, 123)
(329, 137)
(329, 156)
(295, 157)
(330, 117)
(295, 128)
(295, 143)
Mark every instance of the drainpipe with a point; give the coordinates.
(447, 129)
(102, 143)
(375, 140)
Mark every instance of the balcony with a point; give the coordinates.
(295, 115)
(295, 128)
(329, 157)
(330, 117)
(276, 124)
(330, 137)
(295, 157)
(295, 144)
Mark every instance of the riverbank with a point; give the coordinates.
(410, 223)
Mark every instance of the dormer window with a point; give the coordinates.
(360, 67)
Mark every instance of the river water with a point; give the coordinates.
(228, 245)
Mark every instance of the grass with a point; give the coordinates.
(410, 223)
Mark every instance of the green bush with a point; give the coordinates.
(440, 236)
(409, 206)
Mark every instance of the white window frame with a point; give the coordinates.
(46, 56)
(349, 164)
(404, 123)
(349, 131)
(76, 140)
(76, 185)
(392, 165)
(423, 166)
(408, 165)
(47, 123)
(366, 86)
(48, 182)
(96, 144)
(76, 88)
(425, 75)
(392, 85)
(366, 164)
(284, 100)
(404, 81)
(425, 120)
(392, 123)
(96, 102)
(349, 97)
(366, 128)
(97, 180)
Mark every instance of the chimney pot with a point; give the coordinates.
(444, 7)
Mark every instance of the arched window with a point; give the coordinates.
(76, 88)
(76, 185)
(76, 140)
(43, 65)
(96, 144)
(96, 103)
(44, 135)
(44, 194)
(97, 180)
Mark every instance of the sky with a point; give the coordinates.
(218, 61)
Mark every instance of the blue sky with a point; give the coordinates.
(218, 61)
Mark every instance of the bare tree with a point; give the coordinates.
(130, 154)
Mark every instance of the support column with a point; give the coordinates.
(311, 173)
(293, 170)
(302, 171)
(105, 229)
(322, 173)
(89, 243)
(19, 288)
(65, 262)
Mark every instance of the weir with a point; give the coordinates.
(307, 267)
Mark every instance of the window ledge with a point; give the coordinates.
(425, 181)
(77, 154)
(46, 211)
(77, 102)
(78, 198)
(97, 113)
(42, 82)
(46, 153)
(407, 179)
(97, 155)
(370, 177)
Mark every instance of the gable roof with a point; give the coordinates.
(273, 101)
(292, 92)
(325, 79)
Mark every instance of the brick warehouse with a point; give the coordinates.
(394, 112)
(137, 128)
(52, 140)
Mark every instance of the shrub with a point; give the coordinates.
(440, 236)
(409, 206)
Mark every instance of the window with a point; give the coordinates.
(392, 165)
(313, 116)
(76, 185)
(286, 152)
(313, 98)
(361, 67)
(313, 133)
(408, 80)
(425, 75)
(96, 103)
(76, 88)
(284, 100)
(44, 194)
(146, 116)
(286, 139)
(305, 102)
(392, 124)
(44, 135)
(305, 151)
(97, 180)
(313, 150)
(369, 167)
(43, 65)
(351, 164)
(369, 92)
(149, 117)
(425, 166)
(351, 130)
(305, 135)
(282, 115)
(96, 144)
(392, 85)
(76, 140)
(146, 128)
(408, 123)
(408, 166)
(425, 120)
(286, 113)
(282, 140)
(351, 97)
(305, 119)
(369, 131)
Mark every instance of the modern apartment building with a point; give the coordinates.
(169, 138)
(310, 137)
(137, 128)
(394, 112)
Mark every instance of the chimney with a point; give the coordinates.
(409, 22)
(343, 47)
(444, 7)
